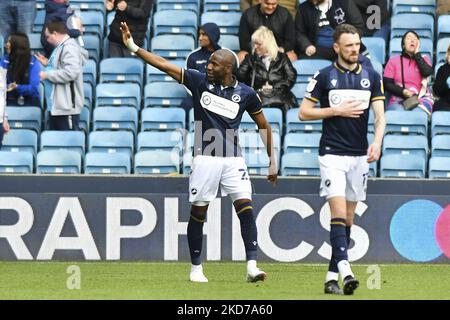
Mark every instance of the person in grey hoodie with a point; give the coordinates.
(64, 77)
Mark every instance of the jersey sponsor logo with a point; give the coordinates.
(311, 85)
(365, 83)
(336, 97)
(236, 98)
(219, 105)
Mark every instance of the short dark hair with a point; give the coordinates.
(344, 28)
(56, 25)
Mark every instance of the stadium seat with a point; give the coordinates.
(402, 166)
(405, 145)
(115, 118)
(39, 20)
(302, 143)
(221, 5)
(165, 140)
(257, 162)
(107, 163)
(18, 140)
(16, 162)
(175, 22)
(93, 23)
(421, 23)
(378, 67)
(25, 118)
(440, 146)
(85, 120)
(63, 140)
(118, 94)
(441, 49)
(426, 47)
(160, 118)
(251, 142)
(90, 72)
(92, 45)
(2, 45)
(440, 123)
(406, 122)
(155, 75)
(294, 124)
(122, 70)
(273, 115)
(163, 94)
(229, 41)
(443, 26)
(306, 68)
(89, 5)
(373, 170)
(299, 90)
(187, 162)
(156, 162)
(193, 5)
(87, 90)
(191, 120)
(300, 164)
(58, 161)
(439, 168)
(35, 42)
(228, 22)
(376, 47)
(414, 6)
(111, 142)
(172, 46)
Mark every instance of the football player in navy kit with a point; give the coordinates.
(345, 91)
(219, 103)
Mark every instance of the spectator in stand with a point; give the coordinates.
(273, 16)
(405, 77)
(376, 19)
(291, 5)
(59, 10)
(315, 23)
(3, 117)
(16, 16)
(23, 72)
(269, 71)
(441, 86)
(136, 14)
(442, 7)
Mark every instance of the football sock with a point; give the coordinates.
(248, 229)
(332, 267)
(195, 236)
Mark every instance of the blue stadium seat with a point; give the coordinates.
(422, 23)
(228, 22)
(251, 142)
(294, 124)
(439, 168)
(2, 45)
(155, 75)
(306, 68)
(85, 120)
(118, 94)
(115, 118)
(172, 46)
(156, 162)
(441, 49)
(187, 162)
(443, 26)
(93, 23)
(111, 142)
(87, 90)
(257, 162)
(440, 123)
(175, 22)
(440, 146)
(426, 47)
(25, 118)
(406, 122)
(402, 166)
(373, 170)
(405, 145)
(63, 140)
(273, 115)
(193, 5)
(162, 119)
(414, 6)
(300, 164)
(221, 5)
(302, 143)
(299, 90)
(165, 140)
(90, 72)
(16, 162)
(164, 94)
(376, 47)
(230, 41)
(107, 163)
(58, 161)
(35, 42)
(18, 140)
(92, 45)
(39, 21)
(191, 120)
(89, 5)
(378, 67)
(122, 70)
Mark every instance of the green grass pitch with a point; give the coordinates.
(169, 281)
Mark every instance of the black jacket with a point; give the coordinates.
(280, 22)
(363, 5)
(440, 86)
(281, 76)
(308, 16)
(136, 16)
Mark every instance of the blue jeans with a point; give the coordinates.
(16, 16)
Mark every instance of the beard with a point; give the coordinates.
(350, 59)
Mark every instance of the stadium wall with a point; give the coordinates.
(145, 218)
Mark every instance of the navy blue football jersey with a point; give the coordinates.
(218, 113)
(333, 85)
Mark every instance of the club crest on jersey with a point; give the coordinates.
(335, 99)
(206, 100)
(365, 83)
(236, 98)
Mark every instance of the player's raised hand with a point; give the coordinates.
(373, 152)
(350, 109)
(126, 34)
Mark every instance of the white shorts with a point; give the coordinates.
(208, 173)
(344, 176)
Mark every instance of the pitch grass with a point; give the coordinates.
(169, 281)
